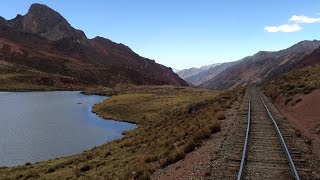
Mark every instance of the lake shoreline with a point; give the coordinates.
(100, 120)
(104, 93)
(37, 90)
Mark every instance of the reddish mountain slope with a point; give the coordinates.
(43, 41)
(264, 66)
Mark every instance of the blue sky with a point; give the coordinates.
(187, 33)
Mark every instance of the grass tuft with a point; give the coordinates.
(85, 168)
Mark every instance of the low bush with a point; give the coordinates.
(85, 168)
(190, 146)
(151, 158)
(50, 170)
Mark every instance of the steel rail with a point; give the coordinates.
(283, 143)
(244, 152)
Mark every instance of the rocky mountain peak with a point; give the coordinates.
(102, 39)
(46, 22)
(108, 43)
(36, 7)
(303, 46)
(41, 19)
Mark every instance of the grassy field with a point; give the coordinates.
(172, 122)
(301, 81)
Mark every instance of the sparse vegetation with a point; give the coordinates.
(85, 168)
(301, 81)
(172, 122)
(14, 77)
(50, 170)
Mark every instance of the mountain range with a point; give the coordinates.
(41, 48)
(186, 73)
(197, 76)
(259, 68)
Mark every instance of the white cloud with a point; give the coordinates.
(303, 19)
(283, 28)
(294, 24)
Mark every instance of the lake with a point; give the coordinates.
(37, 126)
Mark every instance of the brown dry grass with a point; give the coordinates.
(172, 122)
(14, 77)
(301, 81)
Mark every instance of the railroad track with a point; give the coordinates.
(265, 156)
(265, 153)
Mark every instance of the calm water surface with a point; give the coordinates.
(36, 126)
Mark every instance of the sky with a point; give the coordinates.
(187, 33)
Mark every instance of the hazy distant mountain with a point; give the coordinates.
(208, 74)
(175, 70)
(42, 48)
(185, 73)
(264, 66)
